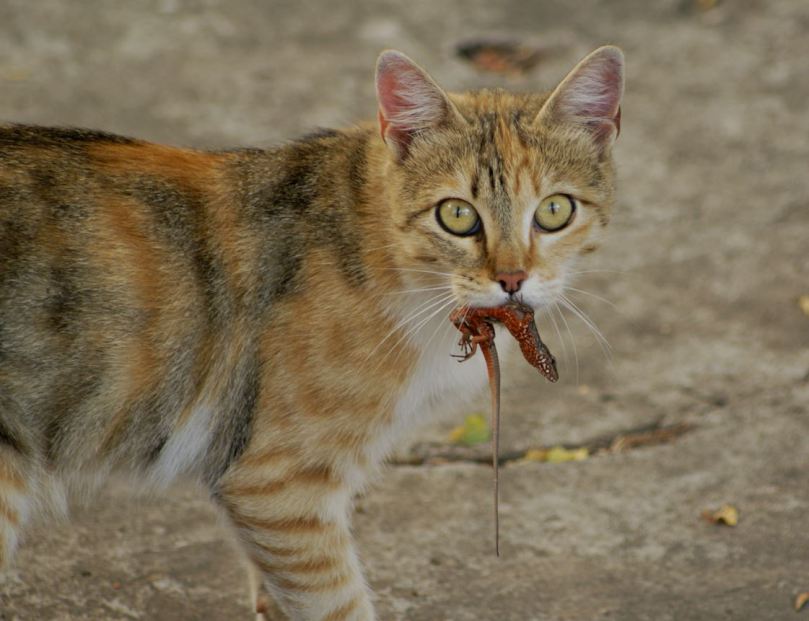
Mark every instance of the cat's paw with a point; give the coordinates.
(267, 609)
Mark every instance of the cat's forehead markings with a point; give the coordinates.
(490, 168)
(474, 183)
(501, 161)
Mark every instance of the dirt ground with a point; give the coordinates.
(703, 267)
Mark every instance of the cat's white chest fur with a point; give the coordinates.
(438, 386)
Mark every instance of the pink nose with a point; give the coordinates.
(511, 281)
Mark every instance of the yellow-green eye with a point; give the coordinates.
(458, 217)
(555, 212)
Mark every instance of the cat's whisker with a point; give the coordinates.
(416, 311)
(549, 311)
(381, 247)
(413, 330)
(592, 295)
(404, 291)
(598, 272)
(448, 329)
(410, 333)
(443, 308)
(466, 310)
(571, 337)
(586, 318)
(446, 325)
(423, 308)
(410, 269)
(606, 348)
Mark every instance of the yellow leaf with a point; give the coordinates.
(456, 434)
(803, 302)
(559, 454)
(800, 601)
(13, 75)
(475, 430)
(556, 454)
(706, 5)
(535, 455)
(726, 514)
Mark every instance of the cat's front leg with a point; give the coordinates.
(263, 603)
(295, 528)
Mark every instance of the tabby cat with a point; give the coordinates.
(268, 323)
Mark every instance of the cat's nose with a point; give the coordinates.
(511, 281)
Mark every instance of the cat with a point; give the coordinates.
(269, 323)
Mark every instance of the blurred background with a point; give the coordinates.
(614, 475)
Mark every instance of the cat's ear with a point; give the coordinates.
(590, 95)
(410, 102)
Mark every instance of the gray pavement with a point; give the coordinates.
(706, 258)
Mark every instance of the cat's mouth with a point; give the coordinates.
(475, 324)
(503, 302)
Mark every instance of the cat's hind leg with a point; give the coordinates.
(15, 498)
(293, 523)
(17, 474)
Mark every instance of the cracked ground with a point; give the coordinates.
(702, 268)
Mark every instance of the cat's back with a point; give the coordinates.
(96, 214)
(113, 270)
(51, 177)
(65, 180)
(42, 167)
(78, 168)
(134, 276)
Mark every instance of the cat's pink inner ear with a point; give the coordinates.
(409, 101)
(591, 94)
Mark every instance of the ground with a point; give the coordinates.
(704, 264)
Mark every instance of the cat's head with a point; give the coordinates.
(499, 193)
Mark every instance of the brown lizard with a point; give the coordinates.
(475, 325)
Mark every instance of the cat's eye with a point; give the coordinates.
(555, 212)
(457, 217)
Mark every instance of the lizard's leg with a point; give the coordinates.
(470, 340)
(468, 348)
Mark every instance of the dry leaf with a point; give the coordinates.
(663, 435)
(557, 454)
(803, 302)
(726, 514)
(536, 455)
(14, 74)
(475, 430)
(800, 601)
(706, 5)
(499, 56)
